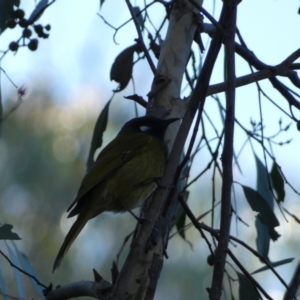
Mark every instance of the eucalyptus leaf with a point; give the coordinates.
(3, 287)
(38, 11)
(6, 12)
(7, 234)
(296, 219)
(265, 212)
(278, 182)
(26, 265)
(97, 138)
(1, 109)
(263, 182)
(18, 275)
(121, 69)
(101, 3)
(262, 239)
(247, 291)
(263, 188)
(274, 265)
(180, 225)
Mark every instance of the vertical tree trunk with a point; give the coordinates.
(141, 270)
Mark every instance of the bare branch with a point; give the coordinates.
(98, 290)
(291, 293)
(229, 12)
(140, 39)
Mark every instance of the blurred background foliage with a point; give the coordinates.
(43, 152)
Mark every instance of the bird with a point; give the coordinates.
(125, 173)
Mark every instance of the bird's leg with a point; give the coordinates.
(157, 181)
(139, 219)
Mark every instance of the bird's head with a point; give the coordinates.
(149, 124)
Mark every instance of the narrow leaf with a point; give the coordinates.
(18, 275)
(262, 239)
(1, 108)
(263, 188)
(293, 216)
(27, 266)
(247, 291)
(278, 182)
(97, 138)
(180, 225)
(38, 11)
(101, 3)
(260, 205)
(6, 11)
(262, 182)
(265, 212)
(121, 70)
(3, 286)
(274, 265)
(7, 234)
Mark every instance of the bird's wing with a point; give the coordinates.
(118, 152)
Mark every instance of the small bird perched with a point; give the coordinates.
(124, 175)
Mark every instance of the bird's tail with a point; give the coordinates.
(71, 236)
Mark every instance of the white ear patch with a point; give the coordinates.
(145, 128)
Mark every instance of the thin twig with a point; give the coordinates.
(291, 293)
(216, 234)
(122, 25)
(137, 99)
(21, 93)
(207, 15)
(140, 39)
(246, 273)
(22, 271)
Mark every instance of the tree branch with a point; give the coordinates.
(172, 62)
(98, 290)
(250, 78)
(161, 194)
(259, 65)
(291, 293)
(230, 7)
(140, 39)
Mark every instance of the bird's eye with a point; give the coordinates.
(145, 128)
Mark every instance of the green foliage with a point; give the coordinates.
(42, 161)
(6, 12)
(121, 69)
(265, 212)
(247, 291)
(18, 275)
(278, 182)
(38, 11)
(180, 225)
(7, 234)
(101, 3)
(263, 188)
(97, 138)
(1, 109)
(296, 219)
(274, 265)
